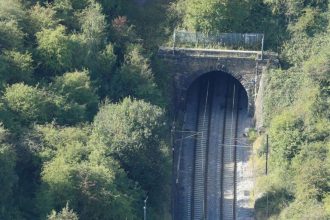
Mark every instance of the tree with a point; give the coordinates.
(292, 9)
(123, 33)
(14, 24)
(54, 57)
(11, 10)
(29, 103)
(299, 128)
(16, 67)
(102, 69)
(287, 137)
(138, 120)
(53, 49)
(215, 15)
(115, 7)
(135, 78)
(42, 17)
(65, 11)
(58, 51)
(76, 87)
(8, 178)
(312, 181)
(306, 209)
(83, 175)
(65, 214)
(11, 35)
(93, 27)
(132, 131)
(38, 105)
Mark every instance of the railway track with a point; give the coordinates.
(185, 165)
(199, 187)
(207, 173)
(229, 156)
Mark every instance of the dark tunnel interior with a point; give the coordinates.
(211, 149)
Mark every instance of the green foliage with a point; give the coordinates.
(76, 87)
(57, 55)
(318, 68)
(124, 32)
(214, 15)
(11, 35)
(278, 199)
(16, 67)
(326, 202)
(32, 104)
(82, 174)
(296, 107)
(54, 49)
(299, 147)
(252, 135)
(132, 132)
(148, 21)
(42, 17)
(311, 165)
(58, 59)
(8, 177)
(65, 11)
(277, 97)
(138, 120)
(103, 68)
(295, 8)
(310, 22)
(12, 10)
(135, 78)
(300, 48)
(47, 140)
(115, 7)
(65, 214)
(305, 210)
(287, 136)
(29, 103)
(93, 26)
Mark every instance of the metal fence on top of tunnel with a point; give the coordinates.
(246, 41)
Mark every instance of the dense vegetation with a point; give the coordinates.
(297, 112)
(83, 125)
(84, 105)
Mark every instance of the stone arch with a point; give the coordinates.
(237, 76)
(195, 75)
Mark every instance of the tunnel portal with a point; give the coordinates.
(212, 151)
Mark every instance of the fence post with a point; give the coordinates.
(266, 171)
(267, 152)
(262, 46)
(174, 39)
(145, 209)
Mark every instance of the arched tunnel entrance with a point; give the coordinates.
(212, 151)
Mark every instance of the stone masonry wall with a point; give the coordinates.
(186, 65)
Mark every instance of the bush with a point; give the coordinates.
(135, 78)
(8, 178)
(36, 105)
(42, 18)
(65, 214)
(132, 132)
(55, 49)
(11, 36)
(83, 175)
(16, 67)
(31, 104)
(77, 88)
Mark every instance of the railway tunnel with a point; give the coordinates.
(211, 181)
